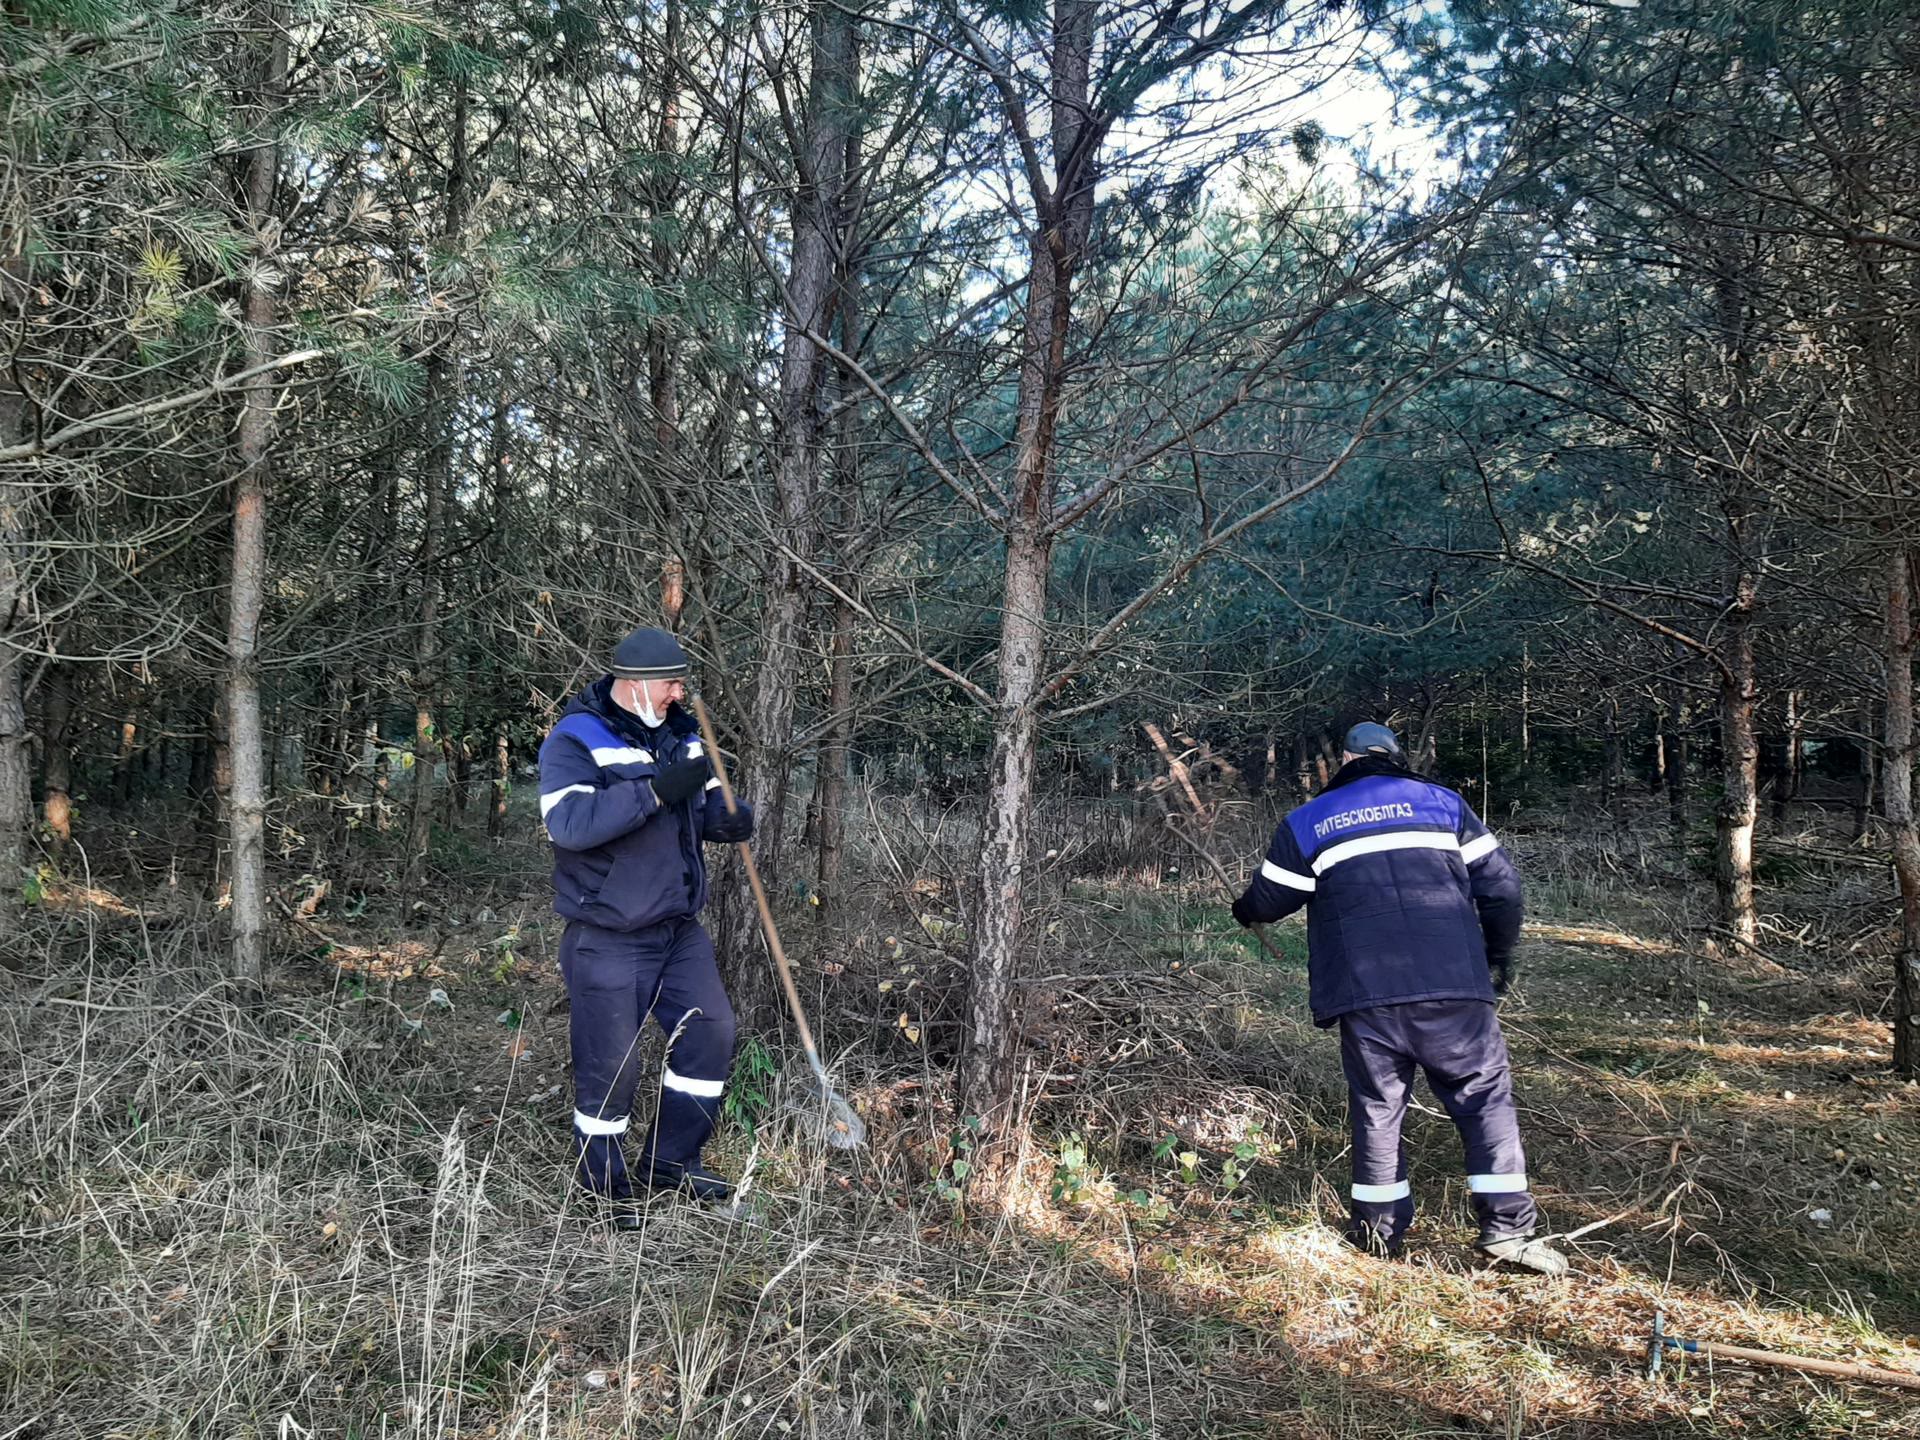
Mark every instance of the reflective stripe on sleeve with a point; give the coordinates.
(713, 784)
(621, 755)
(1479, 848)
(1285, 877)
(554, 797)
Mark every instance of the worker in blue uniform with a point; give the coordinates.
(628, 797)
(1413, 911)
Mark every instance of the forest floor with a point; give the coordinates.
(347, 1217)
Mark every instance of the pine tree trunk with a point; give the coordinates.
(17, 499)
(379, 778)
(1867, 772)
(663, 391)
(16, 772)
(836, 743)
(1526, 707)
(835, 747)
(459, 760)
(988, 1074)
(443, 381)
(1740, 750)
(1896, 789)
(1786, 787)
(1616, 746)
(1609, 759)
(502, 779)
(1677, 761)
(124, 766)
(56, 742)
(1740, 757)
(811, 289)
(247, 792)
(989, 1062)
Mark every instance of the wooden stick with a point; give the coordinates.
(759, 892)
(1844, 1369)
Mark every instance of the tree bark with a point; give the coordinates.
(16, 770)
(502, 777)
(1740, 750)
(835, 748)
(17, 501)
(810, 290)
(988, 1070)
(1866, 772)
(56, 750)
(1786, 786)
(1740, 758)
(247, 793)
(1896, 791)
(1676, 774)
(126, 757)
(443, 379)
(663, 390)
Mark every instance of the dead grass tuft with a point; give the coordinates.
(348, 1215)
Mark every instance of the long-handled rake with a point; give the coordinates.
(1661, 1342)
(843, 1128)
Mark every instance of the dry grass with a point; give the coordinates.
(348, 1216)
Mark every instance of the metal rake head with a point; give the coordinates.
(827, 1113)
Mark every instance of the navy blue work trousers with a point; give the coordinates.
(615, 980)
(1459, 1045)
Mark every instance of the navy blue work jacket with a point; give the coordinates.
(1408, 895)
(621, 860)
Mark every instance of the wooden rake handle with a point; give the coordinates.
(1841, 1369)
(759, 890)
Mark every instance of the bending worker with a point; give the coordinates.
(628, 796)
(1413, 910)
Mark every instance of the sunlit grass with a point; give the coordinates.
(335, 1216)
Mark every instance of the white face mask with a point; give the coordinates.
(639, 704)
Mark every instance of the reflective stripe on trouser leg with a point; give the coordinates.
(692, 1005)
(1465, 1057)
(1378, 1086)
(608, 979)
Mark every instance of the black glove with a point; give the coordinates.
(1502, 972)
(680, 779)
(680, 722)
(1243, 912)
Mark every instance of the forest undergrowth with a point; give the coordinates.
(347, 1214)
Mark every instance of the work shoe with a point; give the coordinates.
(1526, 1252)
(1370, 1241)
(692, 1179)
(622, 1212)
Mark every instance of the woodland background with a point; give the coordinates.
(972, 385)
